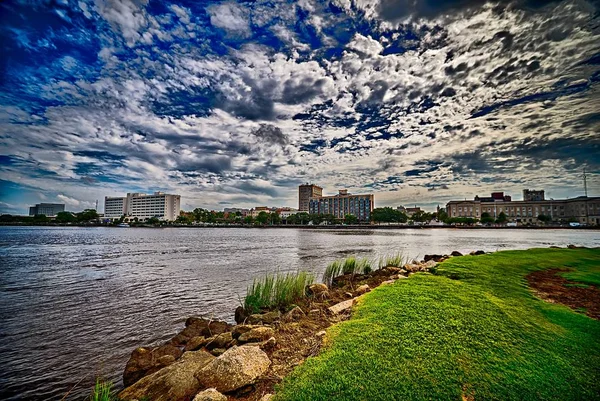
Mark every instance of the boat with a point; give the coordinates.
(124, 225)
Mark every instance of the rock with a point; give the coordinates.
(435, 258)
(144, 361)
(429, 264)
(266, 397)
(210, 394)
(294, 314)
(412, 267)
(218, 351)
(266, 318)
(318, 288)
(554, 247)
(342, 306)
(256, 334)
(456, 253)
(479, 253)
(219, 341)
(175, 382)
(363, 289)
(264, 345)
(571, 246)
(388, 282)
(321, 333)
(196, 326)
(348, 295)
(236, 368)
(196, 343)
(240, 314)
(166, 360)
(241, 329)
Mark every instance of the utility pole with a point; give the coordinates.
(584, 182)
(96, 204)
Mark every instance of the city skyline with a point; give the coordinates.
(235, 104)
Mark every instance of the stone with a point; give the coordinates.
(256, 334)
(196, 326)
(241, 329)
(363, 289)
(240, 314)
(195, 343)
(435, 258)
(218, 351)
(342, 306)
(267, 397)
(321, 333)
(175, 382)
(318, 288)
(571, 246)
(294, 314)
(388, 282)
(236, 368)
(144, 361)
(264, 345)
(266, 318)
(210, 394)
(476, 253)
(430, 263)
(456, 253)
(166, 360)
(219, 341)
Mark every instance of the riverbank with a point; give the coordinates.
(468, 328)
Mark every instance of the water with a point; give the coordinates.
(74, 302)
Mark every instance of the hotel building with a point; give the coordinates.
(305, 192)
(343, 204)
(584, 210)
(47, 209)
(143, 206)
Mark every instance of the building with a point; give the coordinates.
(410, 211)
(305, 192)
(47, 209)
(343, 204)
(533, 195)
(256, 211)
(143, 206)
(584, 210)
(286, 212)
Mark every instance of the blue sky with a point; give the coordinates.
(236, 103)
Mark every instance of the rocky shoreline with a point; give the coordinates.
(213, 360)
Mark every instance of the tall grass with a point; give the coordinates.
(276, 291)
(103, 391)
(349, 265)
(394, 260)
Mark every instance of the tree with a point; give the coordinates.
(302, 218)
(262, 218)
(350, 219)
(153, 220)
(65, 217)
(544, 218)
(249, 220)
(40, 218)
(486, 218)
(275, 218)
(388, 215)
(501, 218)
(87, 215)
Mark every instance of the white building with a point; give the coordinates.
(160, 205)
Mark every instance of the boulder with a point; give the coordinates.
(363, 289)
(210, 394)
(266, 318)
(256, 334)
(342, 306)
(218, 351)
(241, 329)
(429, 264)
(196, 343)
(388, 282)
(264, 345)
(144, 361)
(176, 382)
(240, 314)
(296, 313)
(166, 360)
(456, 253)
(318, 288)
(476, 253)
(571, 246)
(236, 368)
(435, 258)
(196, 326)
(219, 341)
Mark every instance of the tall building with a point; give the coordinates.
(584, 210)
(143, 206)
(343, 204)
(47, 209)
(305, 192)
(533, 195)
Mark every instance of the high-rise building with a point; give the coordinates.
(343, 204)
(143, 206)
(533, 195)
(305, 192)
(47, 209)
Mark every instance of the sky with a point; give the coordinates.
(236, 103)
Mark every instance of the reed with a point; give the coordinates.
(349, 265)
(103, 391)
(394, 260)
(277, 291)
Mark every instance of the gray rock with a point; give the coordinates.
(176, 382)
(210, 394)
(236, 368)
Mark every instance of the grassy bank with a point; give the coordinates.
(472, 331)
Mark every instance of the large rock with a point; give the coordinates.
(176, 382)
(241, 329)
(219, 341)
(210, 394)
(296, 313)
(363, 289)
(241, 314)
(435, 258)
(236, 368)
(256, 334)
(266, 318)
(317, 289)
(144, 361)
(456, 253)
(342, 306)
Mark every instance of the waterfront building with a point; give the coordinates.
(47, 209)
(343, 204)
(256, 211)
(584, 210)
(533, 195)
(410, 211)
(305, 192)
(143, 206)
(286, 212)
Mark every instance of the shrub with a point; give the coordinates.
(276, 291)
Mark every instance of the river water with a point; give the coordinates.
(74, 302)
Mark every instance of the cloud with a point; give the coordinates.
(231, 17)
(68, 201)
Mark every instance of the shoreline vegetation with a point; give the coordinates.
(473, 327)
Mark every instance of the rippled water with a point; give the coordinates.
(74, 302)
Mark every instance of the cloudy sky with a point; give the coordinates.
(237, 102)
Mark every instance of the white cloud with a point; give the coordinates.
(230, 17)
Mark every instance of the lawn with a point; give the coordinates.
(471, 331)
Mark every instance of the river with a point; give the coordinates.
(74, 302)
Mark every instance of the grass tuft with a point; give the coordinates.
(277, 291)
(394, 260)
(349, 265)
(103, 391)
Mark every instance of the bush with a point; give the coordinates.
(277, 291)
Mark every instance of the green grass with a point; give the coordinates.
(349, 265)
(277, 291)
(395, 260)
(473, 328)
(103, 391)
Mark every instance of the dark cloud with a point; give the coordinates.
(298, 91)
(271, 134)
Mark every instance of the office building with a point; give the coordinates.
(583, 210)
(343, 204)
(143, 206)
(47, 209)
(305, 192)
(533, 195)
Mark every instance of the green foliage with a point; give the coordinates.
(350, 219)
(395, 260)
(249, 220)
(486, 218)
(277, 291)
(469, 221)
(153, 220)
(473, 330)
(349, 265)
(87, 215)
(262, 218)
(103, 391)
(502, 218)
(388, 215)
(65, 217)
(544, 218)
